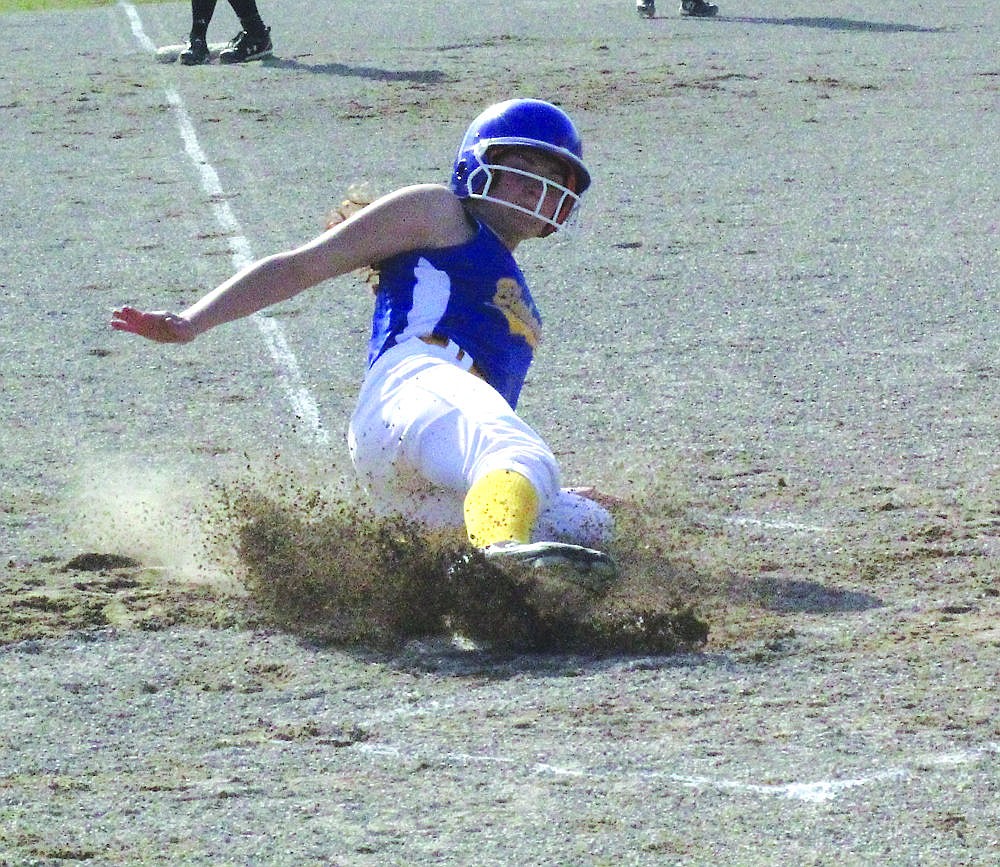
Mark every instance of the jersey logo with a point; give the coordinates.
(520, 318)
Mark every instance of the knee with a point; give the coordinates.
(575, 519)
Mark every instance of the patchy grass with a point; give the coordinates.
(46, 5)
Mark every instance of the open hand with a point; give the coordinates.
(159, 325)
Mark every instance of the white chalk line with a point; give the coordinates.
(782, 524)
(815, 792)
(286, 364)
(793, 526)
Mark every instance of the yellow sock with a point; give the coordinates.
(501, 505)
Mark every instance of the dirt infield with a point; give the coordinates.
(776, 335)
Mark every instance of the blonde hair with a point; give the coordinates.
(359, 195)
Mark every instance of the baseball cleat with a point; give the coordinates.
(196, 53)
(698, 9)
(645, 8)
(193, 54)
(585, 566)
(245, 47)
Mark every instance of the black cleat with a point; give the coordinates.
(245, 47)
(196, 53)
(698, 9)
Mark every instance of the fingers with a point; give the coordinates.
(136, 322)
(124, 319)
(161, 326)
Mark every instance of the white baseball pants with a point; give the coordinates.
(424, 430)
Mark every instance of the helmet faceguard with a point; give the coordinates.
(481, 181)
(522, 123)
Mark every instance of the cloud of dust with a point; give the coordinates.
(155, 514)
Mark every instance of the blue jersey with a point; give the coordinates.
(474, 294)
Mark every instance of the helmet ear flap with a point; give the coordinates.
(460, 176)
(469, 177)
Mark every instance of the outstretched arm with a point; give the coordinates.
(425, 215)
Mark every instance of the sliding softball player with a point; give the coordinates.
(435, 435)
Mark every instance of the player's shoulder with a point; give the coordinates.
(434, 196)
(437, 209)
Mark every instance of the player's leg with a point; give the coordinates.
(423, 425)
(253, 42)
(646, 8)
(575, 519)
(421, 415)
(197, 49)
(500, 506)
